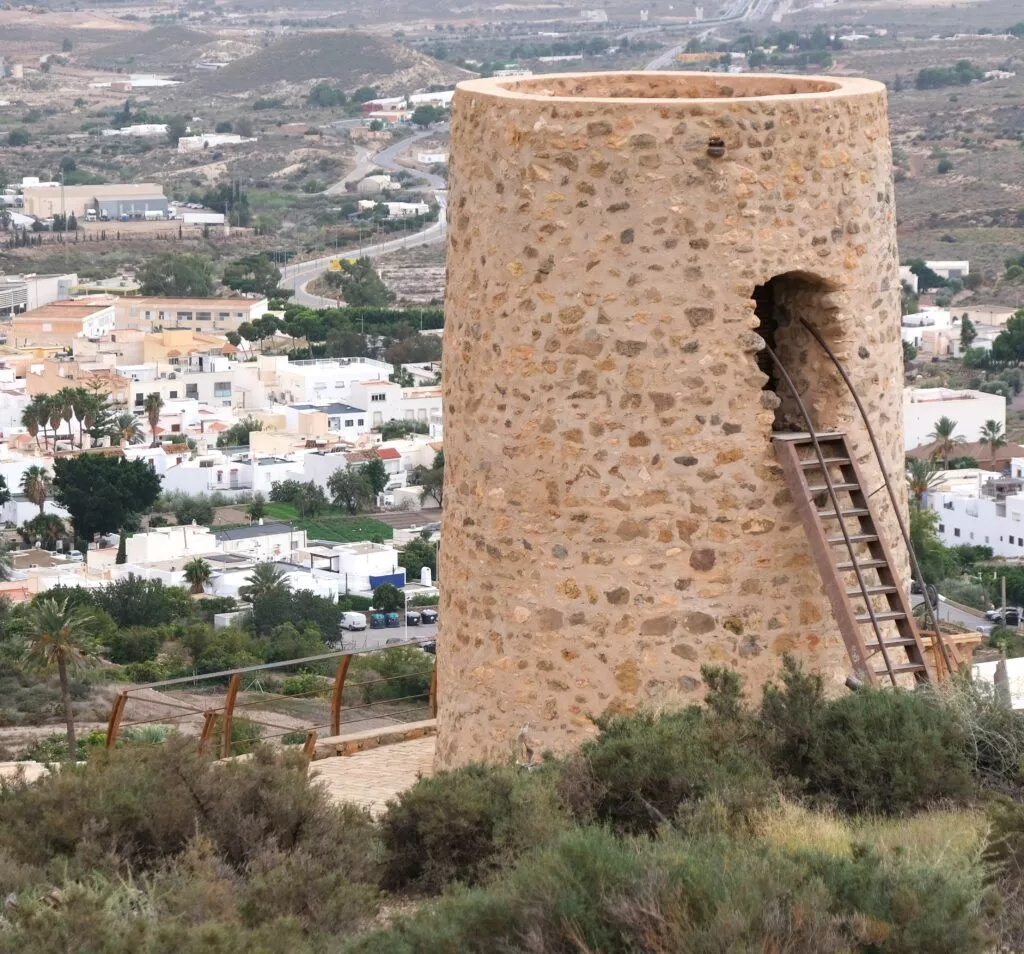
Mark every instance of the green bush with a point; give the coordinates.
(466, 824)
(138, 807)
(143, 672)
(590, 891)
(135, 644)
(305, 684)
(402, 672)
(643, 771)
(888, 752)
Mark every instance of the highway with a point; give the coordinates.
(299, 275)
(736, 11)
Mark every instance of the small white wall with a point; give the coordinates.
(923, 407)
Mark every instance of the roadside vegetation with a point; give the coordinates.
(881, 822)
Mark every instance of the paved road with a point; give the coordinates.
(404, 519)
(377, 638)
(950, 614)
(299, 275)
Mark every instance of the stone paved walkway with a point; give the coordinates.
(371, 778)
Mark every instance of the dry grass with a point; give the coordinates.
(935, 836)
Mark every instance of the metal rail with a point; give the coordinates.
(915, 567)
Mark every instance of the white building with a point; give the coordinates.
(210, 141)
(397, 210)
(262, 541)
(916, 327)
(139, 130)
(321, 380)
(376, 183)
(343, 420)
(922, 408)
(352, 567)
(432, 158)
(209, 379)
(950, 270)
(25, 292)
(982, 509)
(442, 99)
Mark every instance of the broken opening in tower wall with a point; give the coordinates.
(781, 304)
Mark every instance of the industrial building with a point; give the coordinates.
(109, 201)
(24, 292)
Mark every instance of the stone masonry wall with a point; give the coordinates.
(614, 512)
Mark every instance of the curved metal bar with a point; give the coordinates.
(914, 565)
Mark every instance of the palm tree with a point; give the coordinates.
(266, 579)
(197, 574)
(945, 437)
(57, 637)
(36, 484)
(993, 435)
(152, 406)
(30, 421)
(41, 405)
(126, 429)
(56, 414)
(921, 477)
(67, 398)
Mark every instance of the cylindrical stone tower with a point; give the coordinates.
(622, 246)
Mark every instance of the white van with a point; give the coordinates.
(353, 621)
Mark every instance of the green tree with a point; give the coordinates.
(310, 500)
(36, 484)
(197, 574)
(921, 475)
(360, 284)
(1009, 343)
(388, 598)
(945, 438)
(257, 506)
(424, 116)
(17, 137)
(176, 128)
(926, 277)
(238, 434)
(376, 475)
(992, 434)
(46, 528)
(124, 429)
(177, 276)
(198, 508)
(57, 636)
(431, 480)
(266, 579)
(967, 333)
(909, 352)
(417, 554)
(324, 96)
(103, 494)
(153, 405)
(254, 275)
(350, 489)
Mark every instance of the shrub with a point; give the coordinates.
(305, 684)
(590, 891)
(643, 771)
(135, 644)
(888, 752)
(399, 673)
(139, 806)
(466, 824)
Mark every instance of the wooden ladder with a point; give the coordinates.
(873, 613)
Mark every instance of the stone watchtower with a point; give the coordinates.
(622, 247)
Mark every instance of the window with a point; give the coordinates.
(175, 428)
(956, 531)
(1015, 516)
(378, 419)
(410, 415)
(222, 389)
(348, 422)
(139, 400)
(172, 395)
(379, 396)
(1011, 540)
(220, 476)
(192, 391)
(971, 534)
(360, 422)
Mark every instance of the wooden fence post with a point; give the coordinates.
(229, 712)
(116, 715)
(339, 687)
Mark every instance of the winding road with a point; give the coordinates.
(299, 275)
(735, 11)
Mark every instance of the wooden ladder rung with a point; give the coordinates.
(863, 564)
(823, 489)
(901, 668)
(813, 461)
(857, 593)
(892, 643)
(855, 512)
(855, 538)
(881, 617)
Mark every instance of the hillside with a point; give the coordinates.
(347, 58)
(162, 46)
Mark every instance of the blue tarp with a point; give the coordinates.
(395, 579)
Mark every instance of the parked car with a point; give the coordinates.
(1008, 617)
(377, 621)
(353, 621)
(394, 641)
(933, 591)
(430, 646)
(428, 615)
(412, 618)
(393, 620)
